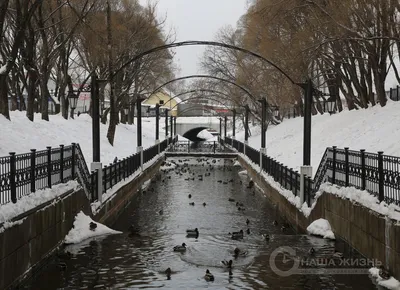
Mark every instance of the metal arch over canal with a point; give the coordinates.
(199, 42)
(204, 77)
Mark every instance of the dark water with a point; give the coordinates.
(138, 259)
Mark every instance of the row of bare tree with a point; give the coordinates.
(62, 42)
(346, 47)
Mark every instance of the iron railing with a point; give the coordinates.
(199, 147)
(22, 174)
(377, 173)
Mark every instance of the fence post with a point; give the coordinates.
(381, 176)
(363, 175)
(291, 180)
(13, 171)
(333, 164)
(308, 182)
(304, 172)
(188, 146)
(62, 163)
(296, 181)
(48, 166)
(33, 170)
(73, 162)
(281, 173)
(214, 147)
(346, 164)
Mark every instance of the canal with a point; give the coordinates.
(157, 220)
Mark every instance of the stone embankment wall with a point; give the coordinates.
(27, 246)
(373, 235)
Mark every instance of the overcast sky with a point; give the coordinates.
(197, 20)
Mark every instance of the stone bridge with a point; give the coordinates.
(189, 127)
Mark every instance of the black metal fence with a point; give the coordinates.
(377, 173)
(21, 174)
(199, 147)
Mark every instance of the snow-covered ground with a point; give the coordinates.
(390, 283)
(374, 129)
(20, 135)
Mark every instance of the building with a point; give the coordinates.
(165, 101)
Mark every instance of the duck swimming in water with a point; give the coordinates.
(237, 252)
(227, 264)
(208, 276)
(168, 273)
(192, 233)
(181, 248)
(237, 235)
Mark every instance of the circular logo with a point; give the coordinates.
(288, 254)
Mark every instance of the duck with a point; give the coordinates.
(231, 200)
(384, 274)
(237, 252)
(247, 222)
(237, 235)
(208, 276)
(161, 212)
(191, 203)
(204, 204)
(92, 226)
(168, 272)
(230, 273)
(275, 223)
(311, 251)
(192, 233)
(283, 228)
(227, 264)
(181, 248)
(248, 231)
(266, 237)
(190, 196)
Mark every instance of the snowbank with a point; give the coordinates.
(10, 210)
(364, 198)
(321, 227)
(23, 135)
(391, 283)
(81, 230)
(358, 129)
(205, 135)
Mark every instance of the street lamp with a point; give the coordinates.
(330, 105)
(73, 100)
(275, 111)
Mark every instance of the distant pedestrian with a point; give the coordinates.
(115, 159)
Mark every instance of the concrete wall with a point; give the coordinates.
(26, 247)
(372, 234)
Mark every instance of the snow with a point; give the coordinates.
(7, 225)
(358, 129)
(10, 210)
(23, 135)
(197, 120)
(391, 283)
(364, 198)
(205, 135)
(321, 227)
(3, 69)
(81, 230)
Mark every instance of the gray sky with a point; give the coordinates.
(197, 20)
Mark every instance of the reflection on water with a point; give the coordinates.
(157, 220)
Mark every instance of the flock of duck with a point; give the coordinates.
(182, 168)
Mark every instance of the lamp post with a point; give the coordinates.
(157, 123)
(329, 105)
(175, 125)
(220, 127)
(73, 101)
(166, 123)
(126, 111)
(246, 124)
(225, 125)
(171, 120)
(263, 102)
(234, 124)
(139, 149)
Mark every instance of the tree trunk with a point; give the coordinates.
(4, 96)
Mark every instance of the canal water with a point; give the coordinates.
(157, 220)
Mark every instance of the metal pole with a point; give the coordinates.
(234, 123)
(225, 125)
(139, 121)
(95, 119)
(171, 119)
(157, 122)
(175, 125)
(220, 127)
(166, 123)
(307, 123)
(263, 122)
(246, 124)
